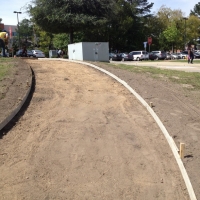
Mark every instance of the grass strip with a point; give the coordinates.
(192, 79)
(5, 66)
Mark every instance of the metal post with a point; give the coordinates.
(185, 18)
(18, 25)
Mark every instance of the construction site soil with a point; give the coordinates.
(82, 135)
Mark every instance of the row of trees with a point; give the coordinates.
(125, 24)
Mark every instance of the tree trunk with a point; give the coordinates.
(71, 35)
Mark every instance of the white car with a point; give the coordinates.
(138, 55)
(38, 54)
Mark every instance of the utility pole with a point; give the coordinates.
(185, 18)
(18, 25)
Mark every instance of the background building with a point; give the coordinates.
(11, 29)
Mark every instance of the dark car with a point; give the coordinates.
(115, 56)
(153, 56)
(20, 53)
(124, 56)
(161, 54)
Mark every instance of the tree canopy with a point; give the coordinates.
(196, 10)
(125, 24)
(67, 16)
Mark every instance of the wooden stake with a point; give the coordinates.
(151, 104)
(182, 150)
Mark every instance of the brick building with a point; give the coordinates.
(11, 29)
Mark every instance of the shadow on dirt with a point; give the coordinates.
(21, 112)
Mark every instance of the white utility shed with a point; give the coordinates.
(91, 51)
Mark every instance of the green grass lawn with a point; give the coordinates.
(184, 60)
(5, 65)
(176, 61)
(190, 78)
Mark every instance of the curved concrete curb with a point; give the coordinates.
(18, 106)
(156, 118)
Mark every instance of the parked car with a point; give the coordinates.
(175, 56)
(38, 54)
(161, 54)
(29, 53)
(183, 54)
(115, 56)
(153, 56)
(138, 55)
(196, 55)
(124, 56)
(168, 56)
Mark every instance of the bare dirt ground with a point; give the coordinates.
(82, 135)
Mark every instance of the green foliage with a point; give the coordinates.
(196, 10)
(192, 28)
(171, 33)
(69, 16)
(5, 66)
(125, 24)
(42, 39)
(61, 41)
(46, 52)
(65, 56)
(126, 31)
(25, 32)
(25, 29)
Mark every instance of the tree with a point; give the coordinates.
(193, 29)
(61, 41)
(171, 34)
(126, 31)
(42, 38)
(25, 31)
(164, 18)
(69, 16)
(196, 10)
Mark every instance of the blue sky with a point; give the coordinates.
(7, 8)
(184, 5)
(9, 18)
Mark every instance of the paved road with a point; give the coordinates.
(166, 65)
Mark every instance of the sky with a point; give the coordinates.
(184, 5)
(8, 7)
(10, 18)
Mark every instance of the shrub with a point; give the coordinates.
(65, 56)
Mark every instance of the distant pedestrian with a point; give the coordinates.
(3, 41)
(59, 53)
(190, 54)
(24, 52)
